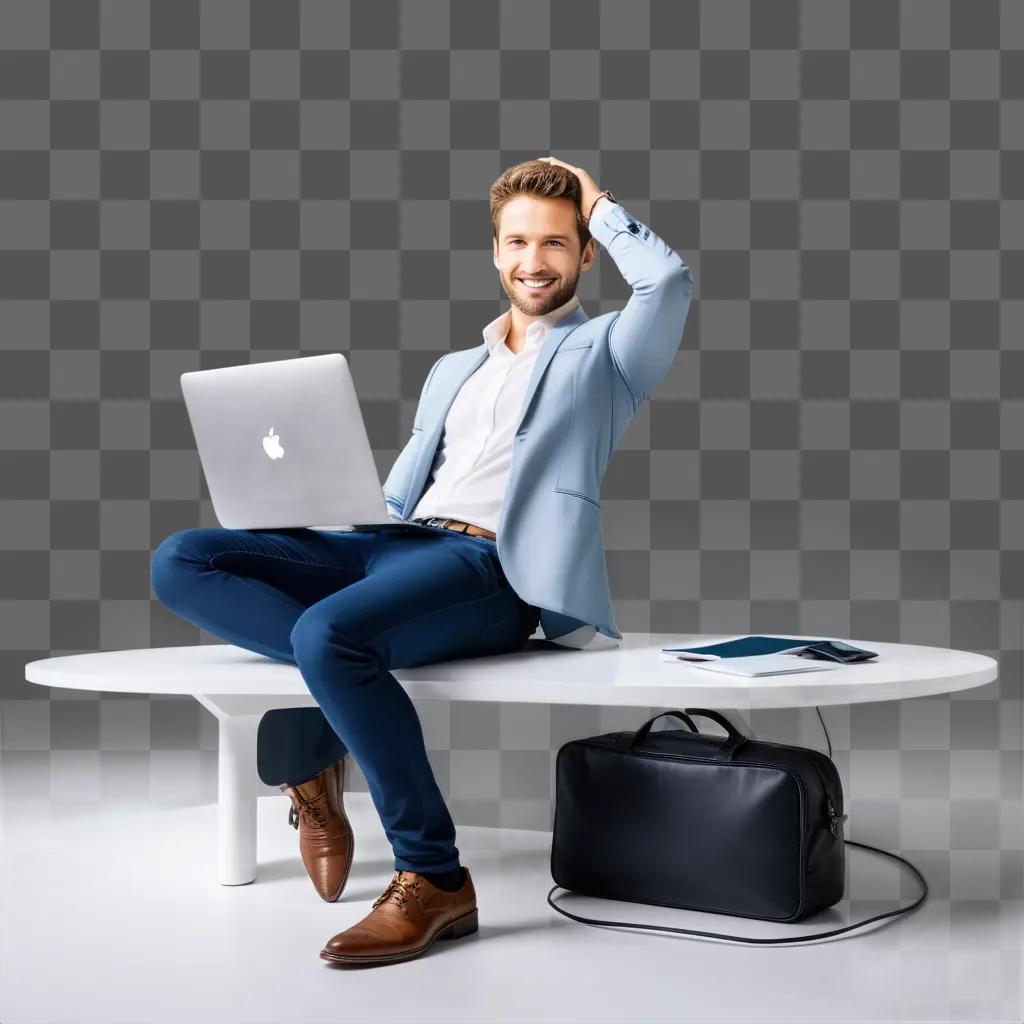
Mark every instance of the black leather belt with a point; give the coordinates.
(458, 525)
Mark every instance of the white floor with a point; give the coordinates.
(110, 914)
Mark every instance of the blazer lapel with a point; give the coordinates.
(554, 338)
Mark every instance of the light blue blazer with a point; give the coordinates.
(590, 378)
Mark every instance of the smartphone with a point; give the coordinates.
(836, 650)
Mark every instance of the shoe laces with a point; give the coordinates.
(314, 811)
(398, 891)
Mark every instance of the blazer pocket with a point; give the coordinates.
(579, 494)
(571, 346)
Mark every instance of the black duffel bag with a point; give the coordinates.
(723, 825)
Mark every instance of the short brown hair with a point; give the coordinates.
(536, 177)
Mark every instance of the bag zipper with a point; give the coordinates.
(835, 817)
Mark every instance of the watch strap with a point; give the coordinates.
(607, 193)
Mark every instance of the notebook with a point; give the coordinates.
(739, 647)
(764, 665)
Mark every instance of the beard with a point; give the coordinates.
(537, 305)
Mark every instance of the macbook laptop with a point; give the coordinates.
(283, 444)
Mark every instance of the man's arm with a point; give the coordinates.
(645, 336)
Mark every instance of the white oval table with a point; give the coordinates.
(238, 686)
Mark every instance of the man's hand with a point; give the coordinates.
(589, 189)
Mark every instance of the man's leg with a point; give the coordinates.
(420, 602)
(249, 587)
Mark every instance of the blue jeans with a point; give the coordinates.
(346, 607)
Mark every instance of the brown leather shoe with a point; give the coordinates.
(325, 836)
(406, 920)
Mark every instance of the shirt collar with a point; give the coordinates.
(496, 331)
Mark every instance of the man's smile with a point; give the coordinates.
(531, 283)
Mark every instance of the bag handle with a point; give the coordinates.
(729, 747)
(899, 912)
(641, 734)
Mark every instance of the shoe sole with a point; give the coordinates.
(465, 925)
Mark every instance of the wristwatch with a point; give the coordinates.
(607, 193)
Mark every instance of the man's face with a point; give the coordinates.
(537, 239)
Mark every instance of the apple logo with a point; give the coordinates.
(272, 445)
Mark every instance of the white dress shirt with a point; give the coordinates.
(475, 450)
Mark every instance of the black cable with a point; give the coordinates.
(828, 739)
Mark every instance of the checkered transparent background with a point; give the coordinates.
(837, 450)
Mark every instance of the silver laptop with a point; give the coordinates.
(283, 444)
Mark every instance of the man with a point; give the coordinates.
(496, 526)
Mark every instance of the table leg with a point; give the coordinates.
(236, 800)
(238, 786)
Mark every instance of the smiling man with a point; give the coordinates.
(495, 498)
(559, 404)
(539, 252)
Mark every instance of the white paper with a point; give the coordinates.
(763, 665)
